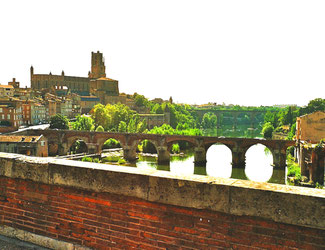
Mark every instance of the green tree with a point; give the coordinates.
(59, 121)
(142, 126)
(83, 122)
(122, 127)
(100, 116)
(132, 127)
(267, 130)
(140, 100)
(209, 120)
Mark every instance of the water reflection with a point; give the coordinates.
(219, 158)
(258, 163)
(219, 161)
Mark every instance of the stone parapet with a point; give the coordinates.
(279, 203)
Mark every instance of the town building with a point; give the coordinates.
(311, 127)
(28, 145)
(95, 84)
(11, 112)
(6, 91)
(310, 130)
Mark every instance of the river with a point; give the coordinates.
(258, 161)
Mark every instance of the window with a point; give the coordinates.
(42, 143)
(8, 116)
(1, 110)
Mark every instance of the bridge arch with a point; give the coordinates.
(219, 160)
(71, 140)
(101, 141)
(259, 162)
(183, 143)
(78, 146)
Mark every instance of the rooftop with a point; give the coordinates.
(19, 138)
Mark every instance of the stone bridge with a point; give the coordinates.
(234, 113)
(60, 142)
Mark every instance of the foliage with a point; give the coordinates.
(317, 104)
(293, 171)
(267, 130)
(148, 147)
(176, 148)
(78, 147)
(209, 120)
(292, 132)
(100, 129)
(121, 161)
(140, 100)
(83, 122)
(100, 116)
(113, 158)
(59, 121)
(111, 143)
(122, 127)
(86, 158)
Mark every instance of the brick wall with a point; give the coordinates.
(105, 220)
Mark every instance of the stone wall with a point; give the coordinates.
(101, 206)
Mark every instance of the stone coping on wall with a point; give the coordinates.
(287, 204)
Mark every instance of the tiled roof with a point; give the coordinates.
(6, 86)
(19, 138)
(106, 79)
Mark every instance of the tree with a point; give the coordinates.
(267, 130)
(59, 121)
(83, 122)
(317, 104)
(100, 116)
(140, 100)
(122, 127)
(209, 120)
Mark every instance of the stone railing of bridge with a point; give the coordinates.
(60, 142)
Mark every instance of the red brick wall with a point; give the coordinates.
(103, 220)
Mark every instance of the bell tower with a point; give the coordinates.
(97, 65)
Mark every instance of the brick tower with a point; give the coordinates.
(97, 65)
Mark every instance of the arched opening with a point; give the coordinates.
(147, 155)
(259, 160)
(79, 146)
(181, 157)
(219, 158)
(112, 152)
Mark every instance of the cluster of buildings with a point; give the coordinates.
(68, 95)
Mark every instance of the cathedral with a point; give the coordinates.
(96, 84)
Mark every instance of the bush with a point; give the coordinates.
(59, 121)
(110, 159)
(100, 129)
(267, 130)
(86, 158)
(175, 149)
(121, 161)
(111, 143)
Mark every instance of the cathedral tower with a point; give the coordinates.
(97, 65)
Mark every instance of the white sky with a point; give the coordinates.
(238, 52)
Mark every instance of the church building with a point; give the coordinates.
(96, 84)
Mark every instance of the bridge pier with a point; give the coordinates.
(303, 166)
(129, 153)
(238, 158)
(200, 156)
(279, 159)
(163, 155)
